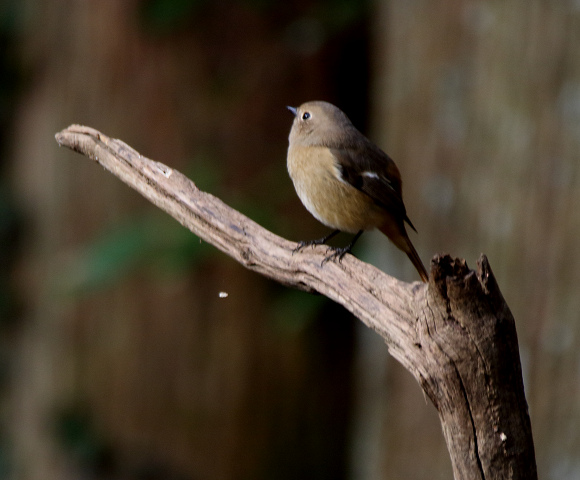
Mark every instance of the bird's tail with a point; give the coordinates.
(414, 257)
(398, 235)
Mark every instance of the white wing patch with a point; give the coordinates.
(376, 176)
(370, 175)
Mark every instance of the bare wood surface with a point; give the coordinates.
(455, 335)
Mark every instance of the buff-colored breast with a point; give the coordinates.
(332, 201)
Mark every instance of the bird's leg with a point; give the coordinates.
(339, 252)
(320, 241)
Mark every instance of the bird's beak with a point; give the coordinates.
(293, 110)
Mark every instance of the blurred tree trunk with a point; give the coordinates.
(156, 376)
(479, 104)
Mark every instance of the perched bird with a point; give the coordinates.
(346, 181)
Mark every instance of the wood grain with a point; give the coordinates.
(455, 335)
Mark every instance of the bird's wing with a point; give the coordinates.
(370, 170)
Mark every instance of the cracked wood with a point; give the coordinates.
(455, 335)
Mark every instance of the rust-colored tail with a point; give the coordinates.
(398, 235)
(414, 257)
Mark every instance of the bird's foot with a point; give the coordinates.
(337, 253)
(312, 243)
(308, 243)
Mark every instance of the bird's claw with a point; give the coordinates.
(307, 243)
(337, 252)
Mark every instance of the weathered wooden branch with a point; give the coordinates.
(456, 335)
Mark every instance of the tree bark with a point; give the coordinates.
(455, 335)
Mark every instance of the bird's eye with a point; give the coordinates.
(306, 115)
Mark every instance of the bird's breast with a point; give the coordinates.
(334, 202)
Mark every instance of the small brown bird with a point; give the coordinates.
(346, 181)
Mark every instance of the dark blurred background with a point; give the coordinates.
(120, 360)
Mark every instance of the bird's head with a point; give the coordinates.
(319, 123)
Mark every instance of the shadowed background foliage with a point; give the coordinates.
(119, 358)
